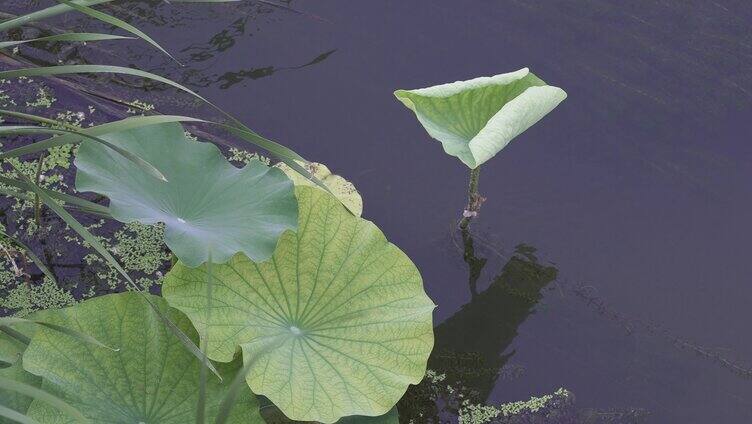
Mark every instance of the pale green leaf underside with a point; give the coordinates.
(344, 190)
(475, 119)
(207, 205)
(338, 316)
(151, 379)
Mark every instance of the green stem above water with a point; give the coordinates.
(474, 199)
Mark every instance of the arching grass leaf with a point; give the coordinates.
(31, 391)
(11, 368)
(73, 36)
(45, 13)
(70, 201)
(207, 204)
(152, 379)
(144, 165)
(81, 337)
(30, 254)
(344, 310)
(477, 118)
(102, 251)
(342, 189)
(109, 19)
(14, 416)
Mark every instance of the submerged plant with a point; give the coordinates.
(475, 119)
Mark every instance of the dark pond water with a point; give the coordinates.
(634, 195)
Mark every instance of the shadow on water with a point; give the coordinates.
(471, 346)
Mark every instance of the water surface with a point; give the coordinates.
(611, 257)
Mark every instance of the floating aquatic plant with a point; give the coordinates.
(337, 319)
(475, 119)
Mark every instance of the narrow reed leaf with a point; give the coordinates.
(8, 321)
(72, 36)
(40, 146)
(16, 416)
(116, 22)
(42, 396)
(44, 14)
(82, 204)
(30, 253)
(97, 245)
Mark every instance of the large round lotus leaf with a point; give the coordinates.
(477, 118)
(337, 319)
(208, 206)
(342, 189)
(151, 379)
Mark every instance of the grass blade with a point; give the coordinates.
(201, 404)
(84, 205)
(99, 248)
(8, 321)
(30, 253)
(73, 36)
(42, 396)
(15, 335)
(239, 128)
(44, 14)
(35, 147)
(238, 383)
(116, 22)
(98, 130)
(16, 416)
(99, 69)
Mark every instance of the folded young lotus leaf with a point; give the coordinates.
(151, 379)
(337, 320)
(342, 189)
(209, 207)
(477, 118)
(11, 368)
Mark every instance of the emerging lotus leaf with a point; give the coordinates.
(151, 379)
(209, 207)
(344, 190)
(477, 118)
(337, 320)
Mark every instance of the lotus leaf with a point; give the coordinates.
(477, 118)
(209, 207)
(12, 369)
(344, 190)
(273, 415)
(151, 379)
(337, 320)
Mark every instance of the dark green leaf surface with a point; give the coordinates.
(207, 204)
(337, 320)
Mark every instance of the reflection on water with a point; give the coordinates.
(228, 79)
(636, 188)
(470, 349)
(204, 50)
